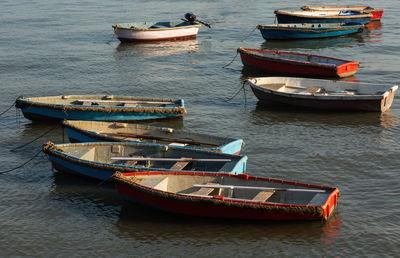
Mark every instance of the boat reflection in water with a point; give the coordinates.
(158, 48)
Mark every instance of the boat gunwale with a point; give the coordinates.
(119, 27)
(316, 30)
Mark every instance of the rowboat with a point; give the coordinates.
(95, 131)
(228, 196)
(376, 13)
(351, 17)
(323, 94)
(99, 160)
(307, 30)
(297, 63)
(99, 108)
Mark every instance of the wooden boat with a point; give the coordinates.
(376, 13)
(228, 196)
(297, 63)
(99, 160)
(351, 17)
(151, 31)
(307, 30)
(94, 131)
(323, 94)
(99, 107)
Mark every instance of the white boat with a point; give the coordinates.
(323, 94)
(152, 31)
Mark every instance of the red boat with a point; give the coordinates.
(297, 63)
(376, 13)
(228, 196)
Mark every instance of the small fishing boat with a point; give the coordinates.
(376, 13)
(228, 196)
(323, 94)
(99, 108)
(307, 30)
(350, 17)
(154, 31)
(99, 160)
(297, 63)
(94, 131)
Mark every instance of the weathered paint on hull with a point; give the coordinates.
(40, 113)
(377, 105)
(293, 33)
(298, 69)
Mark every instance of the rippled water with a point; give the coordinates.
(67, 47)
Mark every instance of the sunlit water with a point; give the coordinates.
(67, 47)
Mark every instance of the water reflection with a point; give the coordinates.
(374, 25)
(159, 48)
(146, 223)
(354, 40)
(276, 113)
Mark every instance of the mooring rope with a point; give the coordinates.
(242, 87)
(13, 104)
(231, 61)
(23, 164)
(249, 34)
(48, 131)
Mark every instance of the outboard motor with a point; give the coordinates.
(190, 17)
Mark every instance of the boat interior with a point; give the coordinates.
(318, 87)
(151, 156)
(298, 57)
(235, 188)
(155, 25)
(144, 133)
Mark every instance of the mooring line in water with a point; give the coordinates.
(13, 104)
(23, 164)
(48, 131)
(231, 61)
(249, 34)
(242, 87)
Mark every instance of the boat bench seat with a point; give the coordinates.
(132, 162)
(263, 196)
(179, 165)
(313, 89)
(205, 190)
(275, 86)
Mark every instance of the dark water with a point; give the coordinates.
(67, 47)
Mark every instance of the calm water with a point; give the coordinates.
(67, 47)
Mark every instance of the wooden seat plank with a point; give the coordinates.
(262, 196)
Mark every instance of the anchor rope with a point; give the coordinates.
(231, 61)
(23, 164)
(35, 139)
(242, 87)
(13, 104)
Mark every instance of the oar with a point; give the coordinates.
(169, 159)
(161, 138)
(258, 188)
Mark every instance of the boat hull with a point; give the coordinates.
(39, 111)
(76, 135)
(376, 13)
(288, 66)
(133, 35)
(65, 162)
(285, 17)
(219, 207)
(274, 32)
(372, 104)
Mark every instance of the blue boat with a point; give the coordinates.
(336, 16)
(307, 30)
(99, 108)
(100, 160)
(96, 131)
